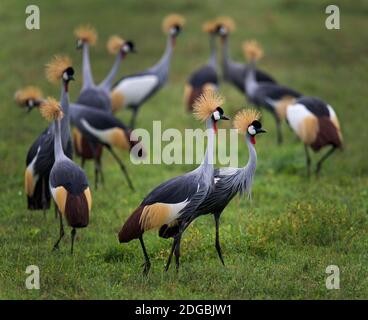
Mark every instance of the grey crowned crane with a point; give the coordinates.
(95, 95)
(235, 72)
(102, 128)
(40, 156)
(28, 97)
(180, 196)
(273, 97)
(316, 124)
(134, 90)
(68, 182)
(228, 181)
(206, 76)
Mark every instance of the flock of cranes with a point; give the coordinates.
(90, 126)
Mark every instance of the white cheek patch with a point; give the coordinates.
(65, 76)
(251, 130)
(216, 115)
(172, 31)
(125, 48)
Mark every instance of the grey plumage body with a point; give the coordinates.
(228, 182)
(267, 95)
(131, 88)
(93, 124)
(235, 72)
(182, 194)
(41, 157)
(69, 180)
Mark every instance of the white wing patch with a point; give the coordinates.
(175, 209)
(135, 89)
(102, 135)
(295, 114)
(30, 167)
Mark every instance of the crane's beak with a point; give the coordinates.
(261, 131)
(224, 117)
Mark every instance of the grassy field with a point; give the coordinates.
(276, 247)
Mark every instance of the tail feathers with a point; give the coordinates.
(328, 134)
(41, 197)
(77, 210)
(83, 148)
(132, 227)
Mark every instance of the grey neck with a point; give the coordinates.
(250, 168)
(161, 68)
(64, 102)
(58, 148)
(225, 53)
(213, 57)
(87, 74)
(250, 80)
(106, 84)
(208, 158)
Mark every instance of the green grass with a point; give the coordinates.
(277, 246)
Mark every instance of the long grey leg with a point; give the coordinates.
(101, 172)
(171, 253)
(56, 245)
(147, 263)
(93, 149)
(279, 130)
(217, 244)
(122, 166)
(43, 195)
(83, 161)
(319, 163)
(308, 160)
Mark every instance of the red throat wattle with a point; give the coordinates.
(173, 41)
(215, 126)
(66, 86)
(253, 139)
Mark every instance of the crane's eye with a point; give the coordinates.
(251, 130)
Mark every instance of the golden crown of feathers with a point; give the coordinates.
(27, 93)
(171, 21)
(86, 33)
(114, 44)
(226, 22)
(209, 26)
(252, 50)
(207, 103)
(244, 118)
(51, 109)
(56, 67)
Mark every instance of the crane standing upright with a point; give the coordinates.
(40, 156)
(273, 97)
(235, 72)
(316, 124)
(68, 183)
(178, 197)
(228, 182)
(135, 89)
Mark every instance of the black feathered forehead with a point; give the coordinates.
(256, 124)
(220, 110)
(69, 71)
